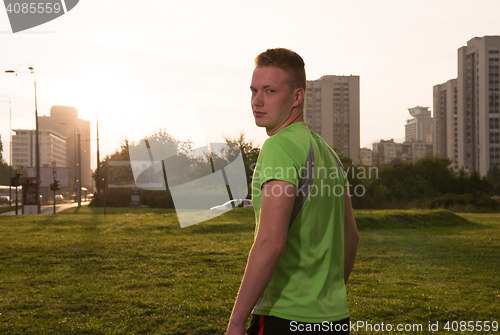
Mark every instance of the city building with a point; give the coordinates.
(420, 127)
(332, 111)
(386, 151)
(366, 156)
(64, 119)
(478, 104)
(418, 149)
(445, 106)
(52, 148)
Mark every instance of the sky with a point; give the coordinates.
(186, 66)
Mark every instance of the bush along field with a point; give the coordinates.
(429, 183)
(138, 272)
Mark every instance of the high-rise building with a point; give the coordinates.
(467, 130)
(52, 148)
(478, 104)
(420, 127)
(64, 119)
(332, 111)
(445, 106)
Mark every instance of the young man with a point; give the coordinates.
(306, 237)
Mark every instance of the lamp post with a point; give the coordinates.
(79, 165)
(98, 171)
(37, 147)
(10, 146)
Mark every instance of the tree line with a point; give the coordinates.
(187, 167)
(428, 183)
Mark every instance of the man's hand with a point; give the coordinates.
(235, 330)
(277, 202)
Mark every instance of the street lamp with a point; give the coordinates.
(37, 147)
(98, 171)
(79, 165)
(10, 145)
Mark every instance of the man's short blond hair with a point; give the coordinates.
(286, 60)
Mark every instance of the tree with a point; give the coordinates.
(249, 151)
(437, 173)
(182, 163)
(428, 182)
(160, 139)
(4, 167)
(4, 173)
(494, 177)
(1, 149)
(117, 197)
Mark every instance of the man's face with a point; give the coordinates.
(272, 96)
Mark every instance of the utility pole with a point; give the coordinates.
(98, 170)
(37, 148)
(55, 187)
(79, 186)
(104, 186)
(37, 151)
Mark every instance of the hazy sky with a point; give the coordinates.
(186, 66)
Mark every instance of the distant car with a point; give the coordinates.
(59, 197)
(236, 202)
(4, 199)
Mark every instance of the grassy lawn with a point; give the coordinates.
(10, 208)
(446, 271)
(138, 272)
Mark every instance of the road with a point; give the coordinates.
(50, 208)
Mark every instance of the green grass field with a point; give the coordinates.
(9, 209)
(138, 272)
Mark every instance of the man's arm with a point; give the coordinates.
(276, 207)
(351, 236)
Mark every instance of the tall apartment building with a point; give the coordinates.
(478, 105)
(52, 148)
(468, 132)
(64, 119)
(420, 126)
(445, 106)
(332, 111)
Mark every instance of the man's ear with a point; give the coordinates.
(298, 96)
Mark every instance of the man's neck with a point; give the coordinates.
(296, 116)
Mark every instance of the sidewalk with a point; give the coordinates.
(49, 209)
